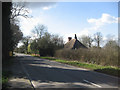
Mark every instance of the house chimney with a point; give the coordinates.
(75, 36)
(69, 38)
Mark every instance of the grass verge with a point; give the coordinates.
(5, 77)
(110, 70)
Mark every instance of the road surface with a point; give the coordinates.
(50, 74)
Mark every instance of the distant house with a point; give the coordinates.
(74, 43)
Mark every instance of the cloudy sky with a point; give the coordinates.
(69, 18)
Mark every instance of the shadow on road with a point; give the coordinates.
(42, 71)
(109, 71)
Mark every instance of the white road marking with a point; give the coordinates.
(27, 75)
(92, 83)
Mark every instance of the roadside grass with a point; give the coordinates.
(49, 58)
(5, 77)
(98, 68)
(110, 70)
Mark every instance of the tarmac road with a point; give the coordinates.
(50, 74)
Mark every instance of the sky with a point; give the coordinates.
(69, 18)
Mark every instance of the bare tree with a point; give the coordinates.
(86, 40)
(40, 30)
(57, 41)
(18, 9)
(98, 38)
(111, 44)
(90, 40)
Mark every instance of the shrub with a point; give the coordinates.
(100, 56)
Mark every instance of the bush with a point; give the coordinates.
(100, 56)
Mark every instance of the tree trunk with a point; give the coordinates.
(6, 32)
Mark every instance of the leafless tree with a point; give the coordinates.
(18, 9)
(40, 30)
(86, 40)
(90, 40)
(98, 38)
(111, 44)
(57, 40)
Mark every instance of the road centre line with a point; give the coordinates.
(92, 83)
